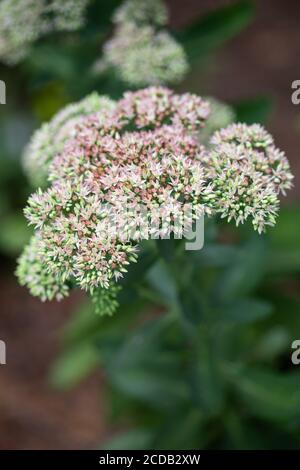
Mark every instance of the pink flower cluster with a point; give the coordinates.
(145, 151)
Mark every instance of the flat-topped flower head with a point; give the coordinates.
(247, 172)
(127, 174)
(144, 153)
(151, 126)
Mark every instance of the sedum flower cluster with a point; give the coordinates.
(22, 22)
(142, 50)
(247, 172)
(141, 152)
(49, 140)
(144, 151)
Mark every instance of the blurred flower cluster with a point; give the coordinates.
(23, 21)
(141, 50)
(143, 150)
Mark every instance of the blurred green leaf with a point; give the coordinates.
(144, 369)
(244, 311)
(250, 435)
(160, 280)
(205, 378)
(215, 255)
(215, 28)
(284, 254)
(84, 326)
(246, 271)
(167, 249)
(191, 305)
(14, 233)
(284, 261)
(57, 62)
(189, 435)
(274, 342)
(158, 388)
(74, 365)
(136, 271)
(255, 110)
(270, 395)
(88, 340)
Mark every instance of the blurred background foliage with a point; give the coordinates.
(199, 352)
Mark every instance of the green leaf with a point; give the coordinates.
(14, 233)
(191, 305)
(160, 280)
(244, 311)
(284, 261)
(167, 249)
(48, 58)
(256, 110)
(205, 377)
(214, 29)
(275, 341)
(270, 395)
(246, 271)
(144, 369)
(245, 434)
(86, 327)
(191, 434)
(137, 271)
(74, 365)
(215, 255)
(284, 254)
(158, 388)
